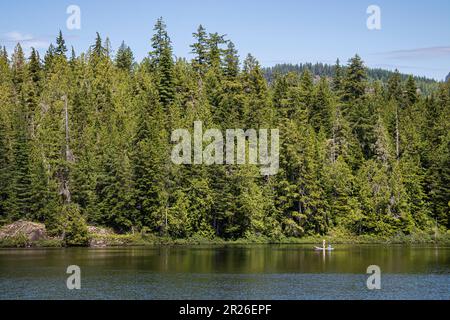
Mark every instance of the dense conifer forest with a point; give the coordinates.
(425, 85)
(85, 139)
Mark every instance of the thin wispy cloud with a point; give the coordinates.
(418, 53)
(27, 41)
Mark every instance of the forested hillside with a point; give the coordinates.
(85, 138)
(425, 85)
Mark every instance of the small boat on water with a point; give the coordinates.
(323, 247)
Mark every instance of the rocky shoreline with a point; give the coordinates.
(24, 233)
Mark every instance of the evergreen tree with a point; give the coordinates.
(60, 46)
(21, 178)
(98, 50)
(321, 107)
(394, 89)
(6, 159)
(200, 50)
(4, 55)
(108, 48)
(215, 51)
(18, 67)
(73, 56)
(162, 60)
(160, 41)
(124, 57)
(48, 58)
(257, 109)
(231, 61)
(354, 82)
(337, 79)
(34, 66)
(410, 91)
(149, 159)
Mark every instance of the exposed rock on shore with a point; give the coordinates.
(31, 231)
(26, 234)
(98, 236)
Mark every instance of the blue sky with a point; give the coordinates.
(414, 35)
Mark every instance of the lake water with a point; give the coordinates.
(227, 272)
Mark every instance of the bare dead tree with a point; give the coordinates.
(64, 173)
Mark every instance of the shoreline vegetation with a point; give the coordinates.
(98, 237)
(142, 241)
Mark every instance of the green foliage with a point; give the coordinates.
(69, 225)
(425, 85)
(124, 57)
(98, 50)
(162, 62)
(199, 49)
(88, 141)
(18, 241)
(61, 48)
(75, 228)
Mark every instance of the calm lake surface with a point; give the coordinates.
(227, 272)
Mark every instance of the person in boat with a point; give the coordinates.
(323, 248)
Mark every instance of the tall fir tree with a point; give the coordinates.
(61, 48)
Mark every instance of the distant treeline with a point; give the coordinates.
(426, 85)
